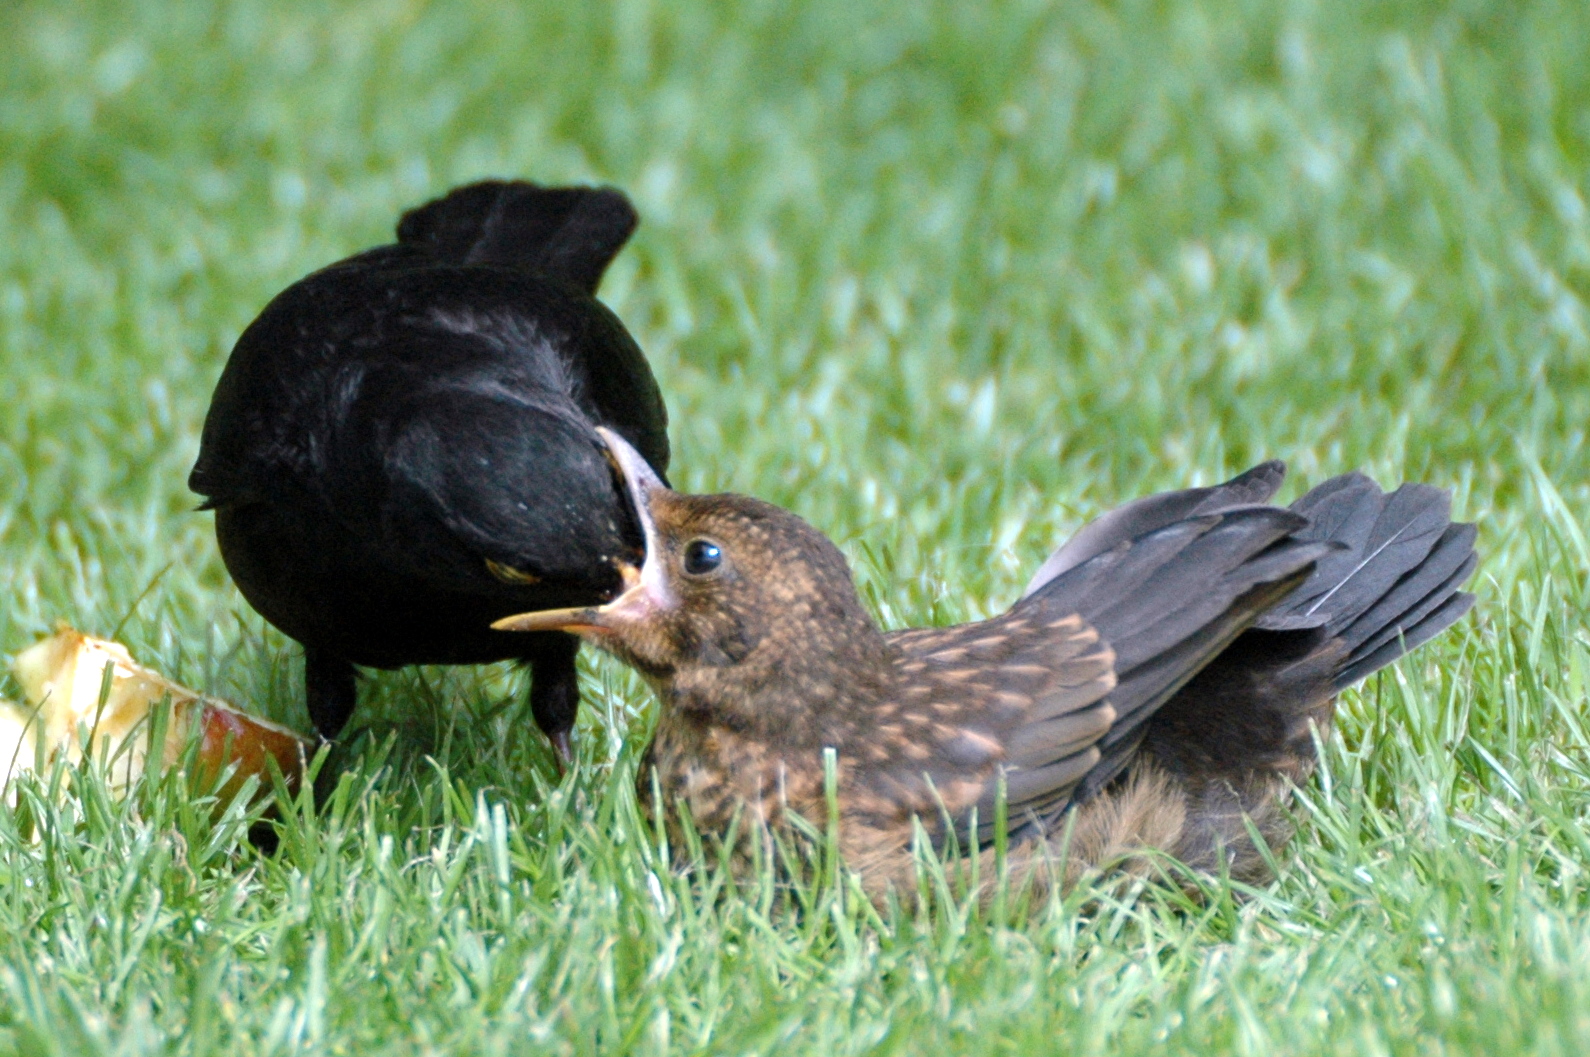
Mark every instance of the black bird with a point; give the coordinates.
(403, 448)
(1153, 690)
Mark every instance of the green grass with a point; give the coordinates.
(946, 279)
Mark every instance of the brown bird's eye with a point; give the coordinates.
(702, 557)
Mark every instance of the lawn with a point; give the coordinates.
(947, 279)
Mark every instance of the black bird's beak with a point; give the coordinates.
(646, 590)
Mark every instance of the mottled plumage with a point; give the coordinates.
(1154, 687)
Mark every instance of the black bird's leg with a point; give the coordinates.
(329, 690)
(555, 689)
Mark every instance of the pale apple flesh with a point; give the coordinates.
(69, 707)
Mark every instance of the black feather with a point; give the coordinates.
(568, 233)
(1446, 567)
(1382, 537)
(402, 447)
(1444, 616)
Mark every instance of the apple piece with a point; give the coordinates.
(64, 678)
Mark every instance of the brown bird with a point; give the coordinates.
(1153, 691)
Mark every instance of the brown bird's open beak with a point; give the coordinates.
(646, 590)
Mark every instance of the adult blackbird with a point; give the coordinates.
(1158, 681)
(402, 447)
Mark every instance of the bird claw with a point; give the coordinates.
(564, 756)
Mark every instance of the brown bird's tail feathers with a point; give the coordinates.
(1220, 747)
(1393, 584)
(568, 233)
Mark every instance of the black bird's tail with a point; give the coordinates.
(567, 233)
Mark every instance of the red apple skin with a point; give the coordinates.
(231, 737)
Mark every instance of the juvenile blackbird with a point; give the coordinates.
(403, 448)
(1156, 683)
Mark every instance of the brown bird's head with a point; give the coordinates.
(741, 611)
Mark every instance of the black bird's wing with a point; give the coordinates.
(1057, 691)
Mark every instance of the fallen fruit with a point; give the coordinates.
(64, 679)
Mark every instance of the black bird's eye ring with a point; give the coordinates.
(702, 557)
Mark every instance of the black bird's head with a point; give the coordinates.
(740, 610)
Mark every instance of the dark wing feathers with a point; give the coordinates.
(1103, 644)
(1398, 569)
(1180, 597)
(1416, 592)
(1142, 516)
(1343, 509)
(568, 233)
(1119, 620)
(1408, 638)
(1381, 537)
(1391, 584)
(1158, 681)
(1412, 616)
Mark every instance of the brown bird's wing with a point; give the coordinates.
(1142, 516)
(963, 692)
(1056, 692)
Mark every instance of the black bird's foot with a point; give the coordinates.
(555, 692)
(565, 751)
